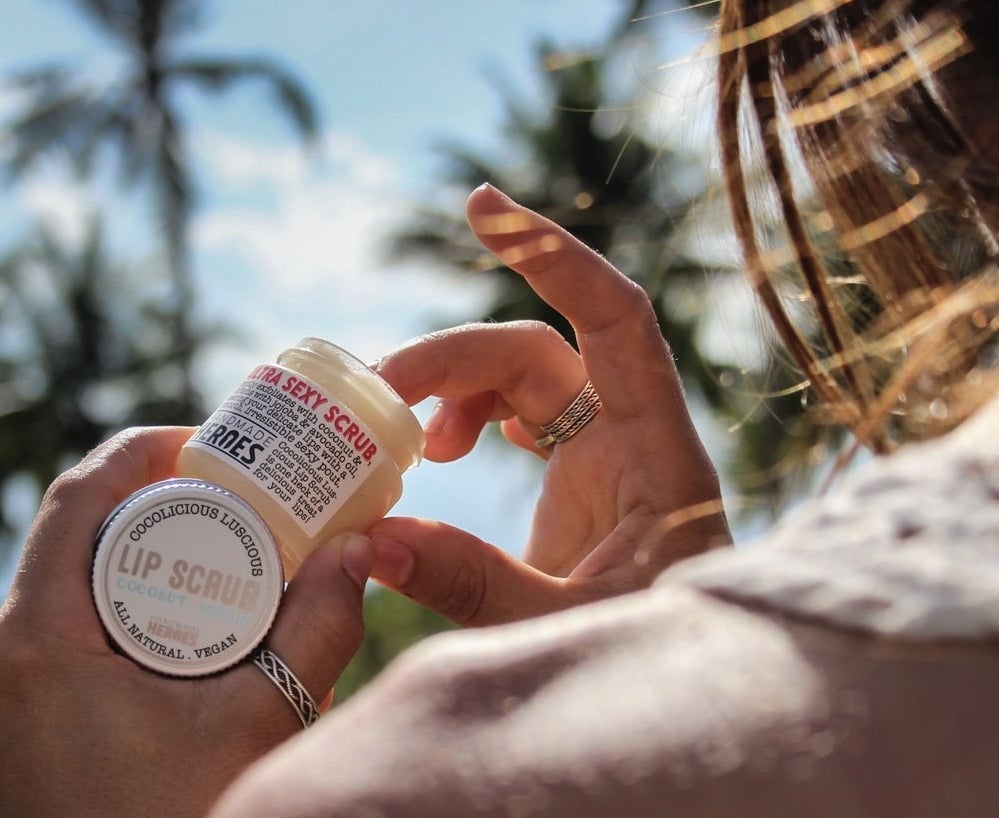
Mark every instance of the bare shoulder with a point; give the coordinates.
(667, 701)
(845, 667)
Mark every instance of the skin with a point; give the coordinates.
(87, 731)
(724, 710)
(649, 701)
(610, 517)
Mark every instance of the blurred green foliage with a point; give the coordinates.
(92, 350)
(393, 623)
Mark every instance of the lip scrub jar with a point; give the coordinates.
(186, 577)
(316, 443)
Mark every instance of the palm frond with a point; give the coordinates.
(216, 75)
(132, 22)
(66, 121)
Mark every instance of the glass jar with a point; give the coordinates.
(316, 443)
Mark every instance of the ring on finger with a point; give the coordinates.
(584, 407)
(289, 685)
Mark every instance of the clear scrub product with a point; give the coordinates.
(316, 443)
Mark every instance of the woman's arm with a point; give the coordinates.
(664, 702)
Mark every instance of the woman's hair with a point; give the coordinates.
(869, 226)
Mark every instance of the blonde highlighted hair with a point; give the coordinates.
(883, 197)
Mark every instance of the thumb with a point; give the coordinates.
(461, 577)
(52, 579)
(319, 626)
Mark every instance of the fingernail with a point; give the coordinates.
(327, 702)
(357, 556)
(437, 421)
(394, 562)
(495, 191)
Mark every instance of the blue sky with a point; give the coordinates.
(286, 247)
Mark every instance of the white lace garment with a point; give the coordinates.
(908, 546)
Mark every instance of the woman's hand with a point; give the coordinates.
(630, 494)
(86, 730)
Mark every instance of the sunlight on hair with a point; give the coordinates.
(762, 396)
(842, 63)
(779, 22)
(878, 271)
(934, 53)
(966, 302)
(932, 341)
(905, 214)
(668, 12)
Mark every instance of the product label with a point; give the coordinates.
(185, 580)
(296, 441)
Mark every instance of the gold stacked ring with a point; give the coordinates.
(577, 414)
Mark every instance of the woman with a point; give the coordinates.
(843, 668)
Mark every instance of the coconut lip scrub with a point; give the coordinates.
(186, 577)
(316, 443)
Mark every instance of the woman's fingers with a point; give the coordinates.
(521, 367)
(319, 626)
(638, 461)
(615, 325)
(519, 435)
(620, 342)
(463, 578)
(456, 423)
(533, 370)
(59, 548)
(317, 629)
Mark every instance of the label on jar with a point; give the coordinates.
(295, 440)
(186, 577)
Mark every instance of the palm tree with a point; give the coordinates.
(606, 185)
(136, 115)
(611, 188)
(90, 351)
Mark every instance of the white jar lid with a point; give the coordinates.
(187, 577)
